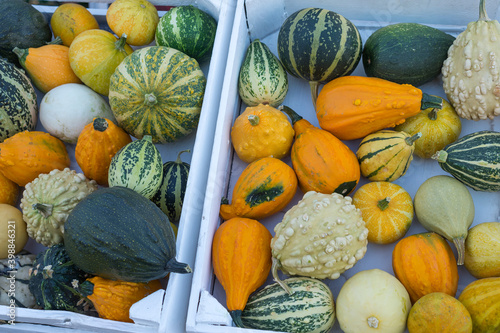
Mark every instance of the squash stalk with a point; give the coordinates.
(44, 209)
(384, 203)
(314, 91)
(441, 156)
(100, 124)
(120, 43)
(299, 124)
(459, 243)
(429, 101)
(178, 160)
(483, 16)
(411, 140)
(236, 316)
(274, 271)
(433, 114)
(150, 99)
(177, 267)
(253, 119)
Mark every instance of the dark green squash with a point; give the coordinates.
(23, 26)
(118, 234)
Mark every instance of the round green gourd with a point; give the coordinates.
(409, 53)
(445, 206)
(157, 91)
(118, 234)
(170, 195)
(318, 45)
(262, 78)
(187, 29)
(18, 103)
(137, 166)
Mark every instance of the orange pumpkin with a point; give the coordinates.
(241, 258)
(98, 142)
(424, 263)
(25, 155)
(322, 162)
(351, 107)
(9, 191)
(71, 19)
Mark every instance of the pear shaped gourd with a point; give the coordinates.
(444, 205)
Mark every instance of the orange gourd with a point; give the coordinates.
(98, 142)
(27, 154)
(351, 107)
(47, 66)
(113, 299)
(387, 210)
(241, 258)
(71, 19)
(9, 191)
(424, 263)
(322, 162)
(264, 187)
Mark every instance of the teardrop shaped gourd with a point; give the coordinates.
(264, 187)
(262, 78)
(322, 162)
(241, 258)
(445, 206)
(386, 155)
(424, 263)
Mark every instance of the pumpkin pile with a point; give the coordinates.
(323, 205)
(105, 225)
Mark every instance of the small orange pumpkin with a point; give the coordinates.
(98, 142)
(241, 258)
(424, 263)
(69, 20)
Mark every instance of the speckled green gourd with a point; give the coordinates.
(48, 200)
(137, 166)
(157, 91)
(471, 76)
(322, 236)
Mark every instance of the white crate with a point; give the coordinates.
(165, 308)
(262, 19)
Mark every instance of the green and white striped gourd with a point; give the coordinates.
(18, 104)
(309, 309)
(319, 45)
(137, 166)
(262, 78)
(474, 160)
(187, 29)
(170, 195)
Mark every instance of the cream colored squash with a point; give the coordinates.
(13, 234)
(482, 250)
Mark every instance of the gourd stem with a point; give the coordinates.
(56, 41)
(433, 114)
(429, 101)
(384, 203)
(441, 156)
(411, 139)
(253, 119)
(236, 316)
(177, 267)
(21, 54)
(86, 288)
(100, 124)
(314, 91)
(178, 160)
(274, 271)
(150, 99)
(44, 209)
(483, 16)
(460, 245)
(294, 116)
(147, 138)
(120, 43)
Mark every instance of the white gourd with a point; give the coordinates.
(471, 78)
(48, 200)
(322, 236)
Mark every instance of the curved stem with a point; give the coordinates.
(429, 101)
(44, 209)
(460, 245)
(483, 16)
(236, 316)
(314, 91)
(120, 43)
(178, 160)
(433, 114)
(294, 116)
(274, 271)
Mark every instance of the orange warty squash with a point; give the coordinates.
(322, 162)
(69, 20)
(425, 263)
(9, 191)
(264, 187)
(351, 107)
(113, 298)
(98, 142)
(27, 154)
(241, 258)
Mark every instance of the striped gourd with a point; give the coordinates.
(170, 195)
(262, 78)
(18, 104)
(318, 45)
(157, 91)
(187, 29)
(386, 155)
(474, 160)
(137, 166)
(310, 308)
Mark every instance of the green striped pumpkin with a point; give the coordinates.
(18, 104)
(474, 160)
(386, 155)
(170, 195)
(157, 91)
(310, 308)
(187, 29)
(262, 78)
(319, 45)
(137, 166)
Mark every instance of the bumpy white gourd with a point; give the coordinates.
(322, 236)
(48, 200)
(471, 73)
